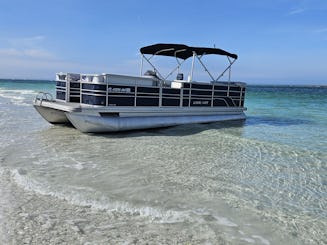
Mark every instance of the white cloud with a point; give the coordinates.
(32, 53)
(38, 53)
(29, 57)
(9, 52)
(321, 30)
(32, 47)
(26, 41)
(32, 68)
(308, 6)
(296, 11)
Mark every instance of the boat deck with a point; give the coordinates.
(59, 105)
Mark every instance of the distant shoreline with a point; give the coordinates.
(26, 80)
(287, 85)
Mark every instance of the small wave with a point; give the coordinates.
(261, 239)
(14, 97)
(100, 203)
(18, 91)
(17, 97)
(89, 198)
(78, 165)
(225, 222)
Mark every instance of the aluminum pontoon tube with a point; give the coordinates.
(96, 124)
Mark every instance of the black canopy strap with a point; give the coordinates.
(182, 51)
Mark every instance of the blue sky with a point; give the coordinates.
(278, 41)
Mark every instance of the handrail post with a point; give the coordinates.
(160, 95)
(107, 91)
(212, 94)
(135, 94)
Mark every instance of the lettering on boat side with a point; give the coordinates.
(119, 90)
(200, 102)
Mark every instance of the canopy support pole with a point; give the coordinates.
(228, 68)
(154, 68)
(205, 68)
(177, 67)
(141, 70)
(192, 68)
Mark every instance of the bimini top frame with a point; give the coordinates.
(181, 51)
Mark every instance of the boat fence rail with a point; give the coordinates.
(104, 90)
(43, 96)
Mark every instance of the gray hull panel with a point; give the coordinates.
(52, 115)
(97, 124)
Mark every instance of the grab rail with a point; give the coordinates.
(43, 96)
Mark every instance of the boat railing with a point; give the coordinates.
(122, 90)
(161, 96)
(43, 96)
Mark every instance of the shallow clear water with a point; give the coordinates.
(262, 181)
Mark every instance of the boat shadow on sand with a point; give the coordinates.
(187, 129)
(179, 130)
(274, 121)
(67, 133)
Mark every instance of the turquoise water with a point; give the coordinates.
(294, 116)
(262, 181)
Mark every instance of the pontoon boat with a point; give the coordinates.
(109, 102)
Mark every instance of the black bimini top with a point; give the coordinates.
(182, 51)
